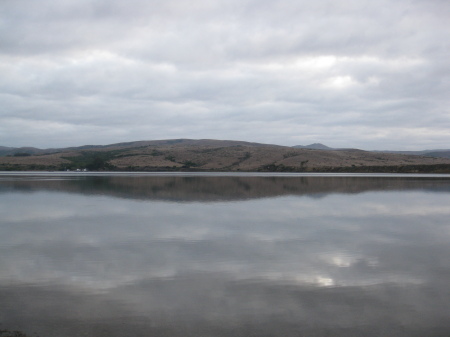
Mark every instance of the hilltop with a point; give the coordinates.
(217, 155)
(439, 153)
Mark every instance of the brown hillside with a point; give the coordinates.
(210, 155)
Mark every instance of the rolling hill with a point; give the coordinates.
(218, 155)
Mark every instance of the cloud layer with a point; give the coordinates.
(348, 73)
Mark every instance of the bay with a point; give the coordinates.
(188, 254)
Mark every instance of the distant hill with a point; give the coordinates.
(217, 155)
(315, 146)
(10, 151)
(427, 153)
(438, 153)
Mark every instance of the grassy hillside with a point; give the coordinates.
(217, 155)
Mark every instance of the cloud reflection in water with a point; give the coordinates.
(341, 261)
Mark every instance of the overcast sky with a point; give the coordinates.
(348, 73)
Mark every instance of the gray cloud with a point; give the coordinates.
(364, 74)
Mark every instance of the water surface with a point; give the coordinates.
(225, 255)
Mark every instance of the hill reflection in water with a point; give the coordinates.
(224, 256)
(207, 188)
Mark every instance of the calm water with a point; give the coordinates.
(232, 255)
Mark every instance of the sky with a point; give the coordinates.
(368, 74)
